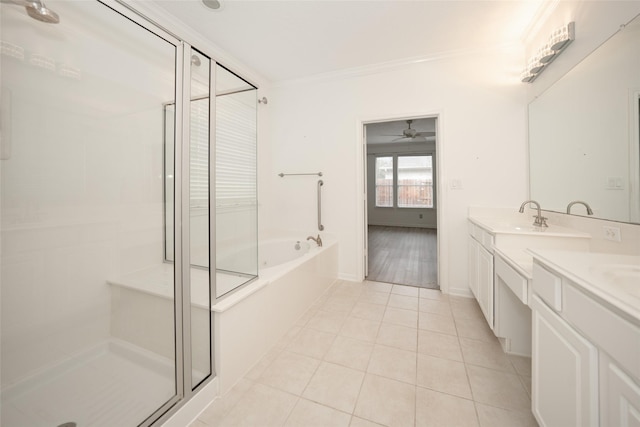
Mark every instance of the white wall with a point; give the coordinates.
(317, 125)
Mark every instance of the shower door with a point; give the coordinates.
(230, 170)
(236, 193)
(90, 311)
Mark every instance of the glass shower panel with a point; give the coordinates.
(199, 217)
(236, 189)
(87, 310)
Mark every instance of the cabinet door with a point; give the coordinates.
(620, 396)
(564, 372)
(485, 283)
(473, 266)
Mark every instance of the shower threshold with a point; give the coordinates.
(114, 383)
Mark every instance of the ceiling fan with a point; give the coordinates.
(413, 134)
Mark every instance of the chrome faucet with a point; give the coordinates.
(540, 221)
(586, 205)
(318, 240)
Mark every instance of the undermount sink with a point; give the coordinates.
(528, 228)
(624, 277)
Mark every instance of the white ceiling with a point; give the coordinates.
(285, 40)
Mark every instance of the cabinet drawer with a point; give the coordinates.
(487, 240)
(481, 235)
(472, 228)
(548, 286)
(477, 233)
(512, 279)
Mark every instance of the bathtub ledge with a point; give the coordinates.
(239, 295)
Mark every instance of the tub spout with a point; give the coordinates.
(318, 240)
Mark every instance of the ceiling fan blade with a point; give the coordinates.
(426, 133)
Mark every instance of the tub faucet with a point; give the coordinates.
(540, 221)
(318, 240)
(586, 205)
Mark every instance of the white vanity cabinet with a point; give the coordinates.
(585, 355)
(490, 239)
(473, 264)
(564, 372)
(620, 400)
(481, 269)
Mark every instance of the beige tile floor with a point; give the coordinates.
(371, 354)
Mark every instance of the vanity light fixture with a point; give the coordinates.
(558, 42)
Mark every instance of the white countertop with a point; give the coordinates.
(519, 259)
(613, 278)
(497, 225)
(521, 225)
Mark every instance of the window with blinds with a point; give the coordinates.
(236, 149)
(199, 152)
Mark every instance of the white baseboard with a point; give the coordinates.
(348, 277)
(466, 293)
(408, 225)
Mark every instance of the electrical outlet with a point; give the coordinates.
(612, 233)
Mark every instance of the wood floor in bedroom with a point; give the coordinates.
(403, 255)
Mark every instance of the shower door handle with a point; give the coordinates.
(320, 184)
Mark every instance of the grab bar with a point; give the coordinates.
(320, 184)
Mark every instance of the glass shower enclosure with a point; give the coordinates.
(109, 169)
(235, 183)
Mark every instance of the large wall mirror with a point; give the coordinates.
(584, 133)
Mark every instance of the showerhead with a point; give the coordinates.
(37, 10)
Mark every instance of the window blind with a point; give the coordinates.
(199, 152)
(236, 149)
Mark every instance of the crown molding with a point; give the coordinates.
(545, 10)
(383, 67)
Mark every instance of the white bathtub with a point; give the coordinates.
(251, 321)
(275, 252)
(247, 322)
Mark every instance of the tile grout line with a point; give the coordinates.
(466, 371)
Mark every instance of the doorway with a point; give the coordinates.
(401, 210)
